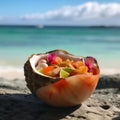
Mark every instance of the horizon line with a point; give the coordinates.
(42, 26)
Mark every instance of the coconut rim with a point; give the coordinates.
(34, 60)
(36, 57)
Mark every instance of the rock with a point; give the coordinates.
(109, 81)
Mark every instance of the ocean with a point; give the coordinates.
(17, 43)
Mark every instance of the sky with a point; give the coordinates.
(60, 12)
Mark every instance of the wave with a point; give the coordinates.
(12, 72)
(110, 71)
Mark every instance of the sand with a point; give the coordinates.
(17, 103)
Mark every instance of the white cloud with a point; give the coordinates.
(90, 10)
(91, 13)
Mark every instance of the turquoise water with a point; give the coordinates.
(18, 43)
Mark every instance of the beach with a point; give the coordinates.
(17, 102)
(17, 44)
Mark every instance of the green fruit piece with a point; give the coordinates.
(69, 70)
(40, 70)
(63, 73)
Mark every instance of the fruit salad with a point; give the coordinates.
(55, 66)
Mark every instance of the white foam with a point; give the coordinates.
(110, 71)
(12, 72)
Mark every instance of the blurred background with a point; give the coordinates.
(83, 28)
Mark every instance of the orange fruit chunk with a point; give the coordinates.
(48, 70)
(77, 64)
(82, 70)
